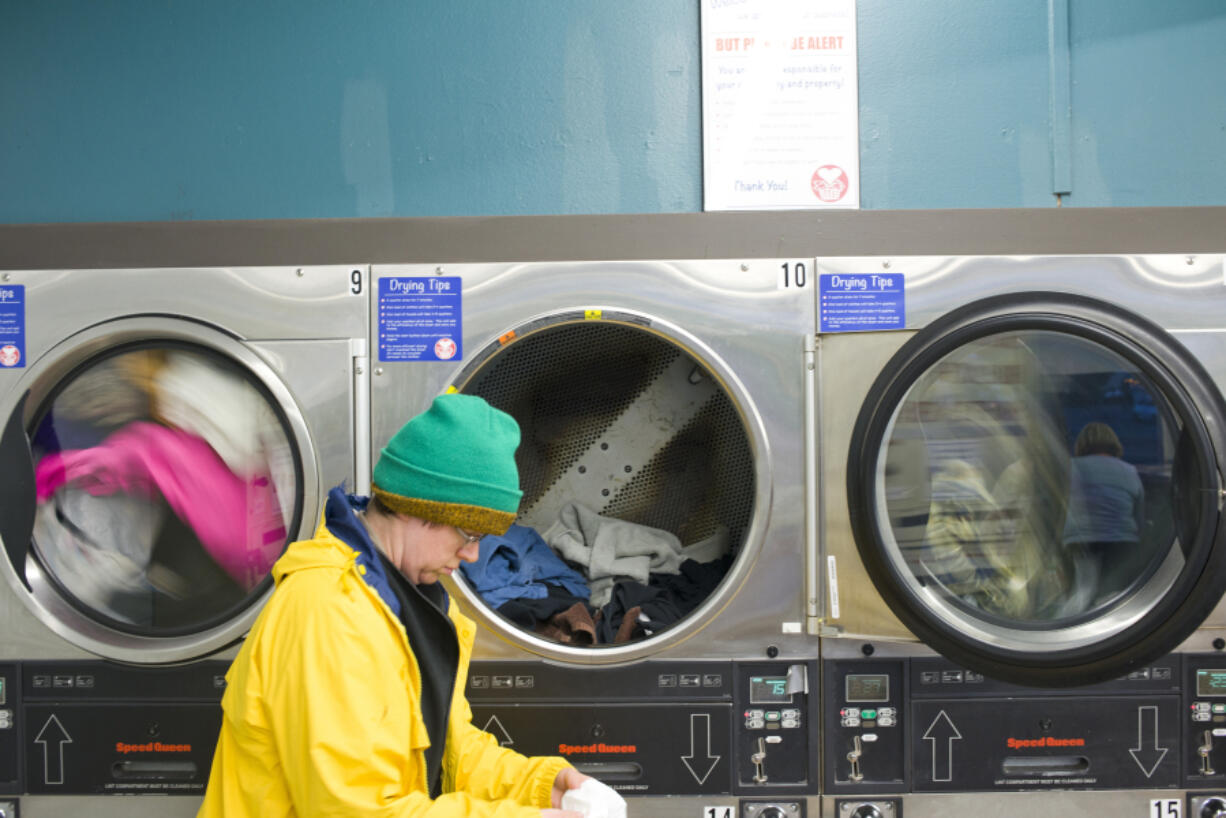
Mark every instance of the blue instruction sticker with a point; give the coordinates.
(855, 303)
(12, 326)
(419, 319)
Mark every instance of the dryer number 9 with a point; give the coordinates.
(793, 274)
(355, 282)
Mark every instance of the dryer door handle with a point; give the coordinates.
(17, 496)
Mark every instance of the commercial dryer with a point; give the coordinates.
(166, 432)
(1022, 463)
(662, 409)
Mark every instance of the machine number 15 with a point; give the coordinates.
(1166, 808)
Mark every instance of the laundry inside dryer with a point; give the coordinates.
(638, 481)
(165, 487)
(1022, 484)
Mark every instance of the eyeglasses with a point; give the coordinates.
(469, 539)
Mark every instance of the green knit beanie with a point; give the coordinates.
(453, 464)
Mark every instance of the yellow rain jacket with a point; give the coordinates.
(323, 714)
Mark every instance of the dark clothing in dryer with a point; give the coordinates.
(560, 616)
(695, 583)
(573, 626)
(530, 612)
(655, 611)
(638, 610)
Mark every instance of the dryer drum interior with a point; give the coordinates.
(637, 471)
(166, 483)
(1035, 490)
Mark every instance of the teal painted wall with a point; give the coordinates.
(126, 110)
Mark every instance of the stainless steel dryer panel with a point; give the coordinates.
(736, 319)
(1184, 294)
(296, 337)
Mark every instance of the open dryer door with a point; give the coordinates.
(1034, 485)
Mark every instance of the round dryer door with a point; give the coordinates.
(1034, 484)
(640, 482)
(155, 476)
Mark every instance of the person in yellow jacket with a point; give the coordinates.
(347, 698)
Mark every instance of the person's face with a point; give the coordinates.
(432, 550)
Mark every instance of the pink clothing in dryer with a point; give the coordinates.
(238, 521)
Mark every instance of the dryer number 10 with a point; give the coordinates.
(793, 274)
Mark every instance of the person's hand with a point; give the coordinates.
(560, 813)
(568, 779)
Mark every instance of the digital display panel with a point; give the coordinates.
(1211, 682)
(868, 687)
(769, 690)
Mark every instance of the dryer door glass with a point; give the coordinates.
(1033, 484)
(165, 485)
(1030, 479)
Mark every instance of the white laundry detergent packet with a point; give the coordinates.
(593, 799)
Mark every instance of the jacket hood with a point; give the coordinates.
(325, 551)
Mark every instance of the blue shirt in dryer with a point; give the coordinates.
(519, 565)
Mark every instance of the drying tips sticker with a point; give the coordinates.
(857, 303)
(12, 326)
(420, 319)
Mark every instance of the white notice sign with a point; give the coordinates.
(779, 105)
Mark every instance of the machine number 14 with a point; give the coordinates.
(1166, 808)
(717, 812)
